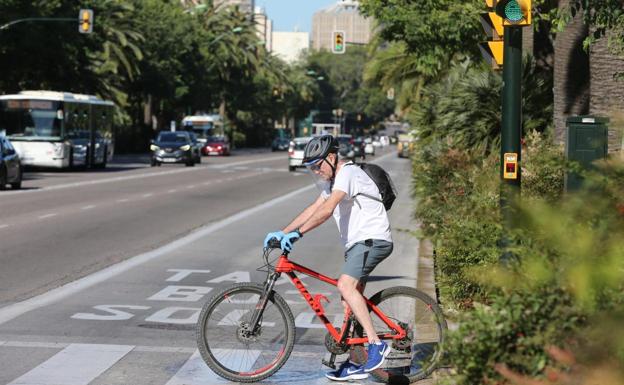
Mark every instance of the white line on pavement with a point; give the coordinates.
(89, 207)
(10, 312)
(77, 364)
(47, 215)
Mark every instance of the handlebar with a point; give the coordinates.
(274, 244)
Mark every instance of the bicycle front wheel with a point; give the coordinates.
(418, 354)
(229, 346)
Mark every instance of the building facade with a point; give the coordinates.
(342, 16)
(288, 46)
(247, 6)
(264, 28)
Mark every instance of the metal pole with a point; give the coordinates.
(511, 129)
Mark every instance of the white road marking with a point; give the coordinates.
(88, 207)
(172, 191)
(122, 200)
(191, 186)
(196, 372)
(77, 364)
(10, 312)
(48, 215)
(3, 226)
(147, 195)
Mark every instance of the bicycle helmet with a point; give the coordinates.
(318, 148)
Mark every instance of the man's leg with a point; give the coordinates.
(350, 290)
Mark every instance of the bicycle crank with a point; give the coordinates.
(333, 346)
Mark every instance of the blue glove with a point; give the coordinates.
(289, 239)
(277, 235)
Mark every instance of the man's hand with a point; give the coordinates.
(278, 235)
(289, 239)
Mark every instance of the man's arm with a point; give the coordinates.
(322, 212)
(304, 216)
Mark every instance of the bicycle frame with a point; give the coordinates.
(285, 266)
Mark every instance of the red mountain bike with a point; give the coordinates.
(246, 331)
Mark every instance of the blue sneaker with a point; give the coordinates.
(347, 371)
(376, 355)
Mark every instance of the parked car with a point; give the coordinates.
(280, 144)
(295, 152)
(216, 145)
(11, 171)
(173, 147)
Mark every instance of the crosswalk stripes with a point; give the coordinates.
(82, 364)
(196, 372)
(77, 364)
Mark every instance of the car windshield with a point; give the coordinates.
(216, 139)
(173, 137)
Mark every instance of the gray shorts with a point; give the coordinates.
(363, 256)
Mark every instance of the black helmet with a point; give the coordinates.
(318, 148)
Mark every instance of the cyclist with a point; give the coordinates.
(346, 193)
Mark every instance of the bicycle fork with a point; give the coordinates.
(256, 317)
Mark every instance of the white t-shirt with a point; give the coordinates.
(359, 217)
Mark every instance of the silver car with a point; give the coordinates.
(295, 152)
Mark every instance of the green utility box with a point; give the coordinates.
(586, 141)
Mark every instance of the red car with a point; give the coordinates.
(216, 145)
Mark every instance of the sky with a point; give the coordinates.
(288, 14)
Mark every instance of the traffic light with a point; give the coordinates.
(85, 21)
(514, 12)
(339, 45)
(492, 50)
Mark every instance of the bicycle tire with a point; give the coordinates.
(211, 321)
(424, 356)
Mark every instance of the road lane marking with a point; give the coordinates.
(77, 364)
(3, 226)
(196, 372)
(122, 200)
(47, 215)
(172, 191)
(12, 311)
(89, 207)
(147, 195)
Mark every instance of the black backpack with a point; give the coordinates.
(383, 182)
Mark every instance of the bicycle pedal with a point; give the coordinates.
(328, 364)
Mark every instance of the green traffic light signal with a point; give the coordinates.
(514, 12)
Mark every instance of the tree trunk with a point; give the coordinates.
(571, 74)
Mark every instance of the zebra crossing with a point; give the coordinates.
(98, 364)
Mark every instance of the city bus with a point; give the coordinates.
(204, 126)
(58, 129)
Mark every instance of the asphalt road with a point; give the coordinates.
(103, 274)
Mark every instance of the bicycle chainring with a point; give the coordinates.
(405, 344)
(335, 347)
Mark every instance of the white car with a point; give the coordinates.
(369, 149)
(295, 152)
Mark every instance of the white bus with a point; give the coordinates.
(204, 126)
(58, 129)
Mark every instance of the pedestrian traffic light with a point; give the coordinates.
(85, 21)
(492, 50)
(514, 12)
(339, 45)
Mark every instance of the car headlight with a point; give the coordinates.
(186, 147)
(154, 147)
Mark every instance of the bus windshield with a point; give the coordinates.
(30, 119)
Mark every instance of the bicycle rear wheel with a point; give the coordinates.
(227, 344)
(418, 354)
